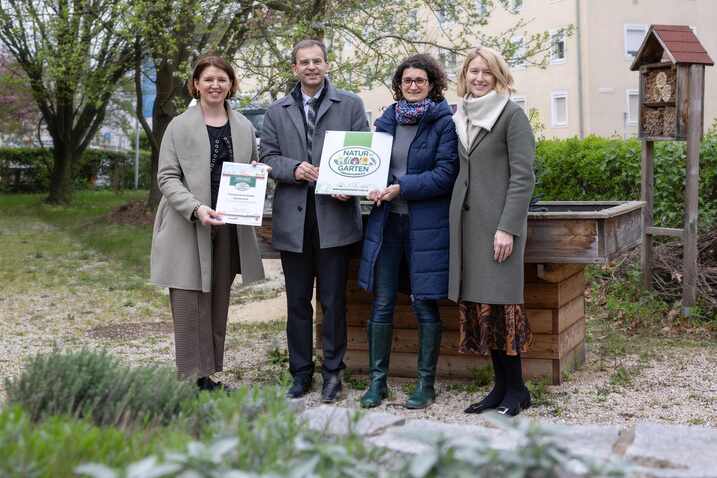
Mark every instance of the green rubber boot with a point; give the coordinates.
(429, 344)
(379, 352)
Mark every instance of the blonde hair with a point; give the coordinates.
(497, 66)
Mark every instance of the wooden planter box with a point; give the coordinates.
(560, 242)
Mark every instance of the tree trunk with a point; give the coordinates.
(61, 175)
(164, 111)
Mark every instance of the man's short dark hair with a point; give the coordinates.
(308, 43)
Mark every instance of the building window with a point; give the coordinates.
(634, 35)
(520, 101)
(633, 106)
(559, 109)
(518, 59)
(481, 7)
(443, 16)
(557, 47)
(516, 5)
(449, 60)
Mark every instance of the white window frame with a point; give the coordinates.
(553, 110)
(520, 51)
(628, 93)
(632, 27)
(553, 59)
(517, 99)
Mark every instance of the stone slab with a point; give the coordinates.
(674, 451)
(591, 441)
(341, 421)
(414, 437)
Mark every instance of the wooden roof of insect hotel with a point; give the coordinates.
(674, 43)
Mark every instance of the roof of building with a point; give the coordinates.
(677, 42)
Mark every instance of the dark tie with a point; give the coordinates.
(310, 126)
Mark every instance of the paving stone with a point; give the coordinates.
(296, 405)
(592, 441)
(411, 438)
(340, 421)
(674, 451)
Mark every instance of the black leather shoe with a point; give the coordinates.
(299, 387)
(511, 411)
(482, 406)
(206, 383)
(331, 390)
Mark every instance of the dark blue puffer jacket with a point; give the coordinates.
(432, 168)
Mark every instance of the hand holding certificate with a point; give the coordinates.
(354, 163)
(242, 190)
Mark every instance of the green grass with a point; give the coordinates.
(83, 221)
(61, 251)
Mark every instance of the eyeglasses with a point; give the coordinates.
(420, 82)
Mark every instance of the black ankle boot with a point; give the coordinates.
(517, 397)
(495, 397)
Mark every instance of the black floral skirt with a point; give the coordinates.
(486, 327)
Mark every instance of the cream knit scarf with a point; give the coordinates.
(473, 114)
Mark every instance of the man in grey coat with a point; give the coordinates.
(313, 233)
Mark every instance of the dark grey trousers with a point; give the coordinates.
(200, 319)
(329, 267)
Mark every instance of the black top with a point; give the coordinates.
(220, 145)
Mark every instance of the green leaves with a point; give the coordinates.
(597, 168)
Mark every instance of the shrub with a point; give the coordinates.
(95, 385)
(28, 169)
(596, 168)
(54, 447)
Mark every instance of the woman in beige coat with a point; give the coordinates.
(488, 221)
(194, 253)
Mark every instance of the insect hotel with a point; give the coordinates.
(671, 62)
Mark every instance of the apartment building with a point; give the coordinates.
(587, 86)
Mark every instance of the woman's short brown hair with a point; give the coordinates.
(497, 66)
(216, 61)
(436, 76)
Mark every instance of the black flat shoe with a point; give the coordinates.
(206, 383)
(299, 387)
(515, 410)
(489, 402)
(331, 389)
(480, 407)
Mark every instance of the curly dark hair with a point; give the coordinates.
(436, 76)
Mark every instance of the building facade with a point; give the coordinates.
(587, 86)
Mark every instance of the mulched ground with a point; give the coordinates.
(132, 213)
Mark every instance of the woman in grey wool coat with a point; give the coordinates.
(488, 223)
(194, 253)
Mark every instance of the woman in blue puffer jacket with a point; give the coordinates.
(408, 225)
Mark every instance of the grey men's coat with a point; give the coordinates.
(283, 147)
(492, 191)
(182, 247)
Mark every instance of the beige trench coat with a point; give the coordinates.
(181, 247)
(492, 192)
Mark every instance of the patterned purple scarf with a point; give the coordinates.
(411, 113)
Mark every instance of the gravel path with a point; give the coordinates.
(79, 299)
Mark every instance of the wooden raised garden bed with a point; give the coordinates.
(561, 241)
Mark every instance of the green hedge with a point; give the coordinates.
(28, 169)
(597, 168)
